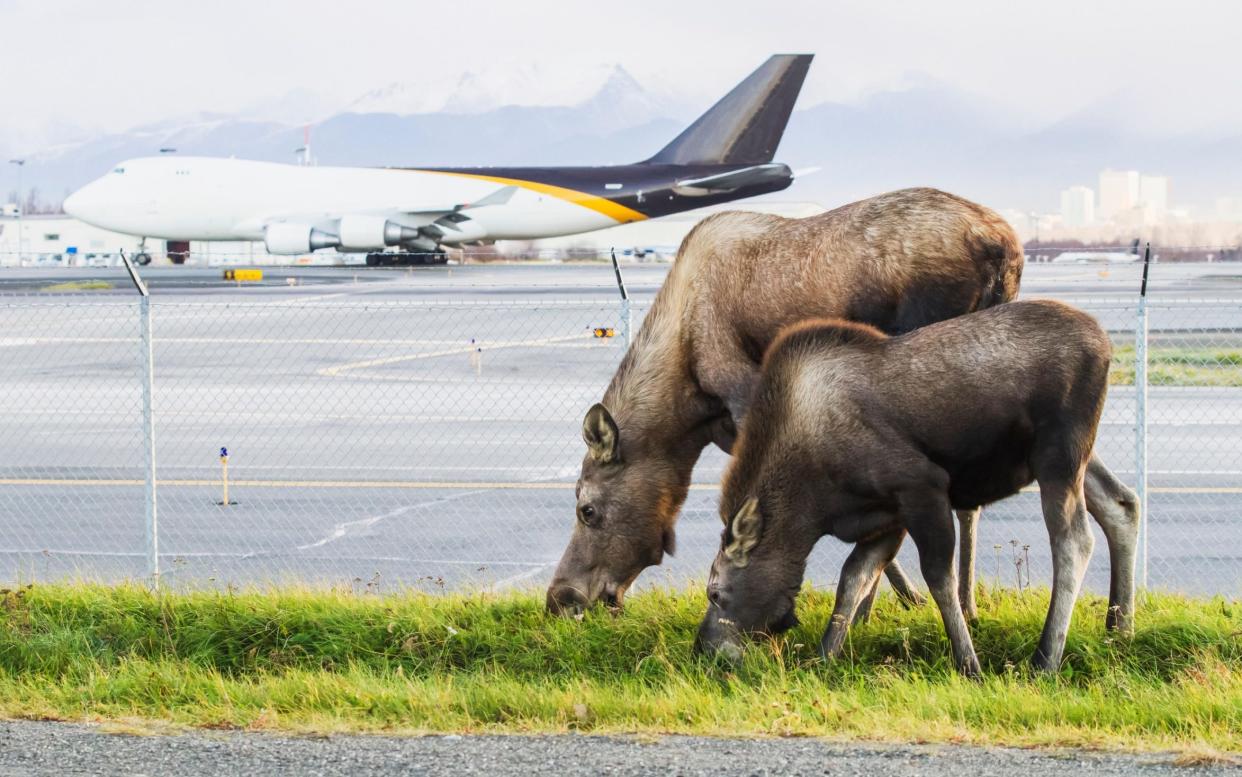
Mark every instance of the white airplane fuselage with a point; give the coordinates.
(204, 198)
(726, 154)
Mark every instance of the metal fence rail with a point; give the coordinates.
(436, 443)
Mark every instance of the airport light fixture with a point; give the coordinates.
(21, 230)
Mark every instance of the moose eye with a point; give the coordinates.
(586, 514)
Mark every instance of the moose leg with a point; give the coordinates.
(1115, 507)
(929, 519)
(912, 598)
(863, 613)
(1065, 515)
(903, 586)
(859, 575)
(968, 520)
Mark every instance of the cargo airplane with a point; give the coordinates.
(400, 215)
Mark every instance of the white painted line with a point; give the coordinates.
(253, 554)
(509, 582)
(338, 370)
(547, 470)
(472, 486)
(342, 530)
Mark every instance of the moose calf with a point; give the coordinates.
(868, 438)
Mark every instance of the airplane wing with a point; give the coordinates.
(734, 179)
(498, 197)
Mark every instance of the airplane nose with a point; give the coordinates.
(84, 204)
(75, 204)
(72, 204)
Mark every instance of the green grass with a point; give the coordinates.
(332, 661)
(1179, 366)
(94, 285)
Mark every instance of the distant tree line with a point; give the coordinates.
(35, 204)
(1046, 250)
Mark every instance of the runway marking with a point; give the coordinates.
(257, 554)
(342, 530)
(26, 341)
(336, 371)
(512, 580)
(475, 486)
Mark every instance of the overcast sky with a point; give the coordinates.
(109, 64)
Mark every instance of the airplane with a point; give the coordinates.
(726, 154)
(1096, 257)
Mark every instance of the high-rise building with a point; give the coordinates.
(1154, 195)
(1119, 192)
(1229, 208)
(1078, 206)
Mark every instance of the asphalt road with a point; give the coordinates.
(421, 428)
(1207, 280)
(29, 749)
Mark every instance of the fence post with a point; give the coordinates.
(148, 423)
(626, 316)
(1140, 417)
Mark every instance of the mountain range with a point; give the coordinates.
(928, 133)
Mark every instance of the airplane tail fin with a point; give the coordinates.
(746, 125)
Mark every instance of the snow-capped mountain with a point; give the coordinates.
(926, 134)
(525, 85)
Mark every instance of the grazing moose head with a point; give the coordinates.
(751, 588)
(627, 500)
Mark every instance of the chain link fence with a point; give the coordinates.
(435, 443)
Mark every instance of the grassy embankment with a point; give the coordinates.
(67, 286)
(332, 661)
(1180, 366)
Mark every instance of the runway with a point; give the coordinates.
(1187, 281)
(420, 428)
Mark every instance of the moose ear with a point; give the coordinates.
(601, 435)
(746, 527)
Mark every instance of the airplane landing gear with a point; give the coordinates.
(406, 259)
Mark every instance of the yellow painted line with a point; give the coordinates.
(333, 372)
(612, 210)
(42, 340)
(444, 484)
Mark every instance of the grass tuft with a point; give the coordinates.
(1179, 366)
(90, 285)
(306, 660)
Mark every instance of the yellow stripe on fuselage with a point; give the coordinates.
(612, 210)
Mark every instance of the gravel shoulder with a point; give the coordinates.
(39, 748)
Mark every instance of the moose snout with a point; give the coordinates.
(718, 637)
(566, 599)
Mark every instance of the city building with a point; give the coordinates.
(1119, 193)
(1153, 196)
(1078, 206)
(1229, 208)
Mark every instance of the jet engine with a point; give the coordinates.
(373, 232)
(290, 239)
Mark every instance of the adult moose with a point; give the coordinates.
(898, 262)
(869, 438)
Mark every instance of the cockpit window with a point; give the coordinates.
(119, 170)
